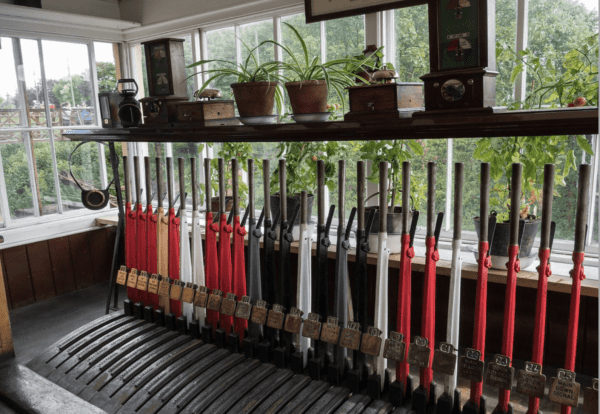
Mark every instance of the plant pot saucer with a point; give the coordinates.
(499, 262)
(309, 118)
(258, 120)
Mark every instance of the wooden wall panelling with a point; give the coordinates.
(81, 260)
(101, 259)
(6, 341)
(6, 287)
(19, 278)
(62, 268)
(590, 340)
(40, 268)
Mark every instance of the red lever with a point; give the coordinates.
(174, 256)
(225, 270)
(212, 267)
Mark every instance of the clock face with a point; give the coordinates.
(458, 34)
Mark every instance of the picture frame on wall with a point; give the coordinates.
(320, 10)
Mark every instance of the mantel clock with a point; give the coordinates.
(463, 63)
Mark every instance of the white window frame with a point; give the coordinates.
(8, 222)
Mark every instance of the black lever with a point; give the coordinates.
(325, 241)
(289, 235)
(257, 232)
(438, 228)
(346, 242)
(552, 230)
(365, 246)
(413, 227)
(243, 223)
(273, 233)
(179, 209)
(491, 230)
(230, 218)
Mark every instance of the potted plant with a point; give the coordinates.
(228, 151)
(308, 80)
(395, 152)
(373, 64)
(256, 87)
(301, 173)
(551, 88)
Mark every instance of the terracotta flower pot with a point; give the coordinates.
(254, 98)
(307, 97)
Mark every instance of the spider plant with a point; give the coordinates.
(246, 72)
(337, 74)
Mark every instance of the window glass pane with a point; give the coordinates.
(10, 115)
(140, 70)
(254, 34)
(221, 45)
(16, 174)
(45, 172)
(32, 83)
(506, 23)
(462, 151)
(189, 59)
(105, 65)
(68, 79)
(411, 27)
(311, 34)
(186, 151)
(345, 37)
(85, 165)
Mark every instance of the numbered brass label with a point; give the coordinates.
(243, 308)
(176, 290)
(470, 366)
(259, 312)
(122, 276)
(228, 304)
(330, 331)
(444, 359)
(371, 342)
(201, 298)
(214, 300)
(563, 389)
(165, 286)
(188, 293)
(419, 352)
(275, 319)
(293, 321)
(530, 380)
(499, 373)
(132, 279)
(312, 326)
(142, 281)
(351, 336)
(153, 283)
(394, 348)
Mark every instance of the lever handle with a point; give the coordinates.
(438, 228)
(325, 241)
(257, 232)
(413, 227)
(243, 223)
(289, 235)
(272, 233)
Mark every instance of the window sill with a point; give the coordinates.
(558, 282)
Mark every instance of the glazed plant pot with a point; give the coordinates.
(528, 228)
(214, 204)
(307, 97)
(254, 98)
(394, 229)
(292, 202)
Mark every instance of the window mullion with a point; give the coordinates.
(592, 189)
(238, 45)
(95, 88)
(203, 54)
(323, 43)
(522, 34)
(196, 56)
(57, 192)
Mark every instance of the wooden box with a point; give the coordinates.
(384, 101)
(160, 111)
(165, 67)
(201, 111)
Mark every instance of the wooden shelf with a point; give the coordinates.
(564, 121)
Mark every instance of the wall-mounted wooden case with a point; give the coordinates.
(165, 66)
(384, 100)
